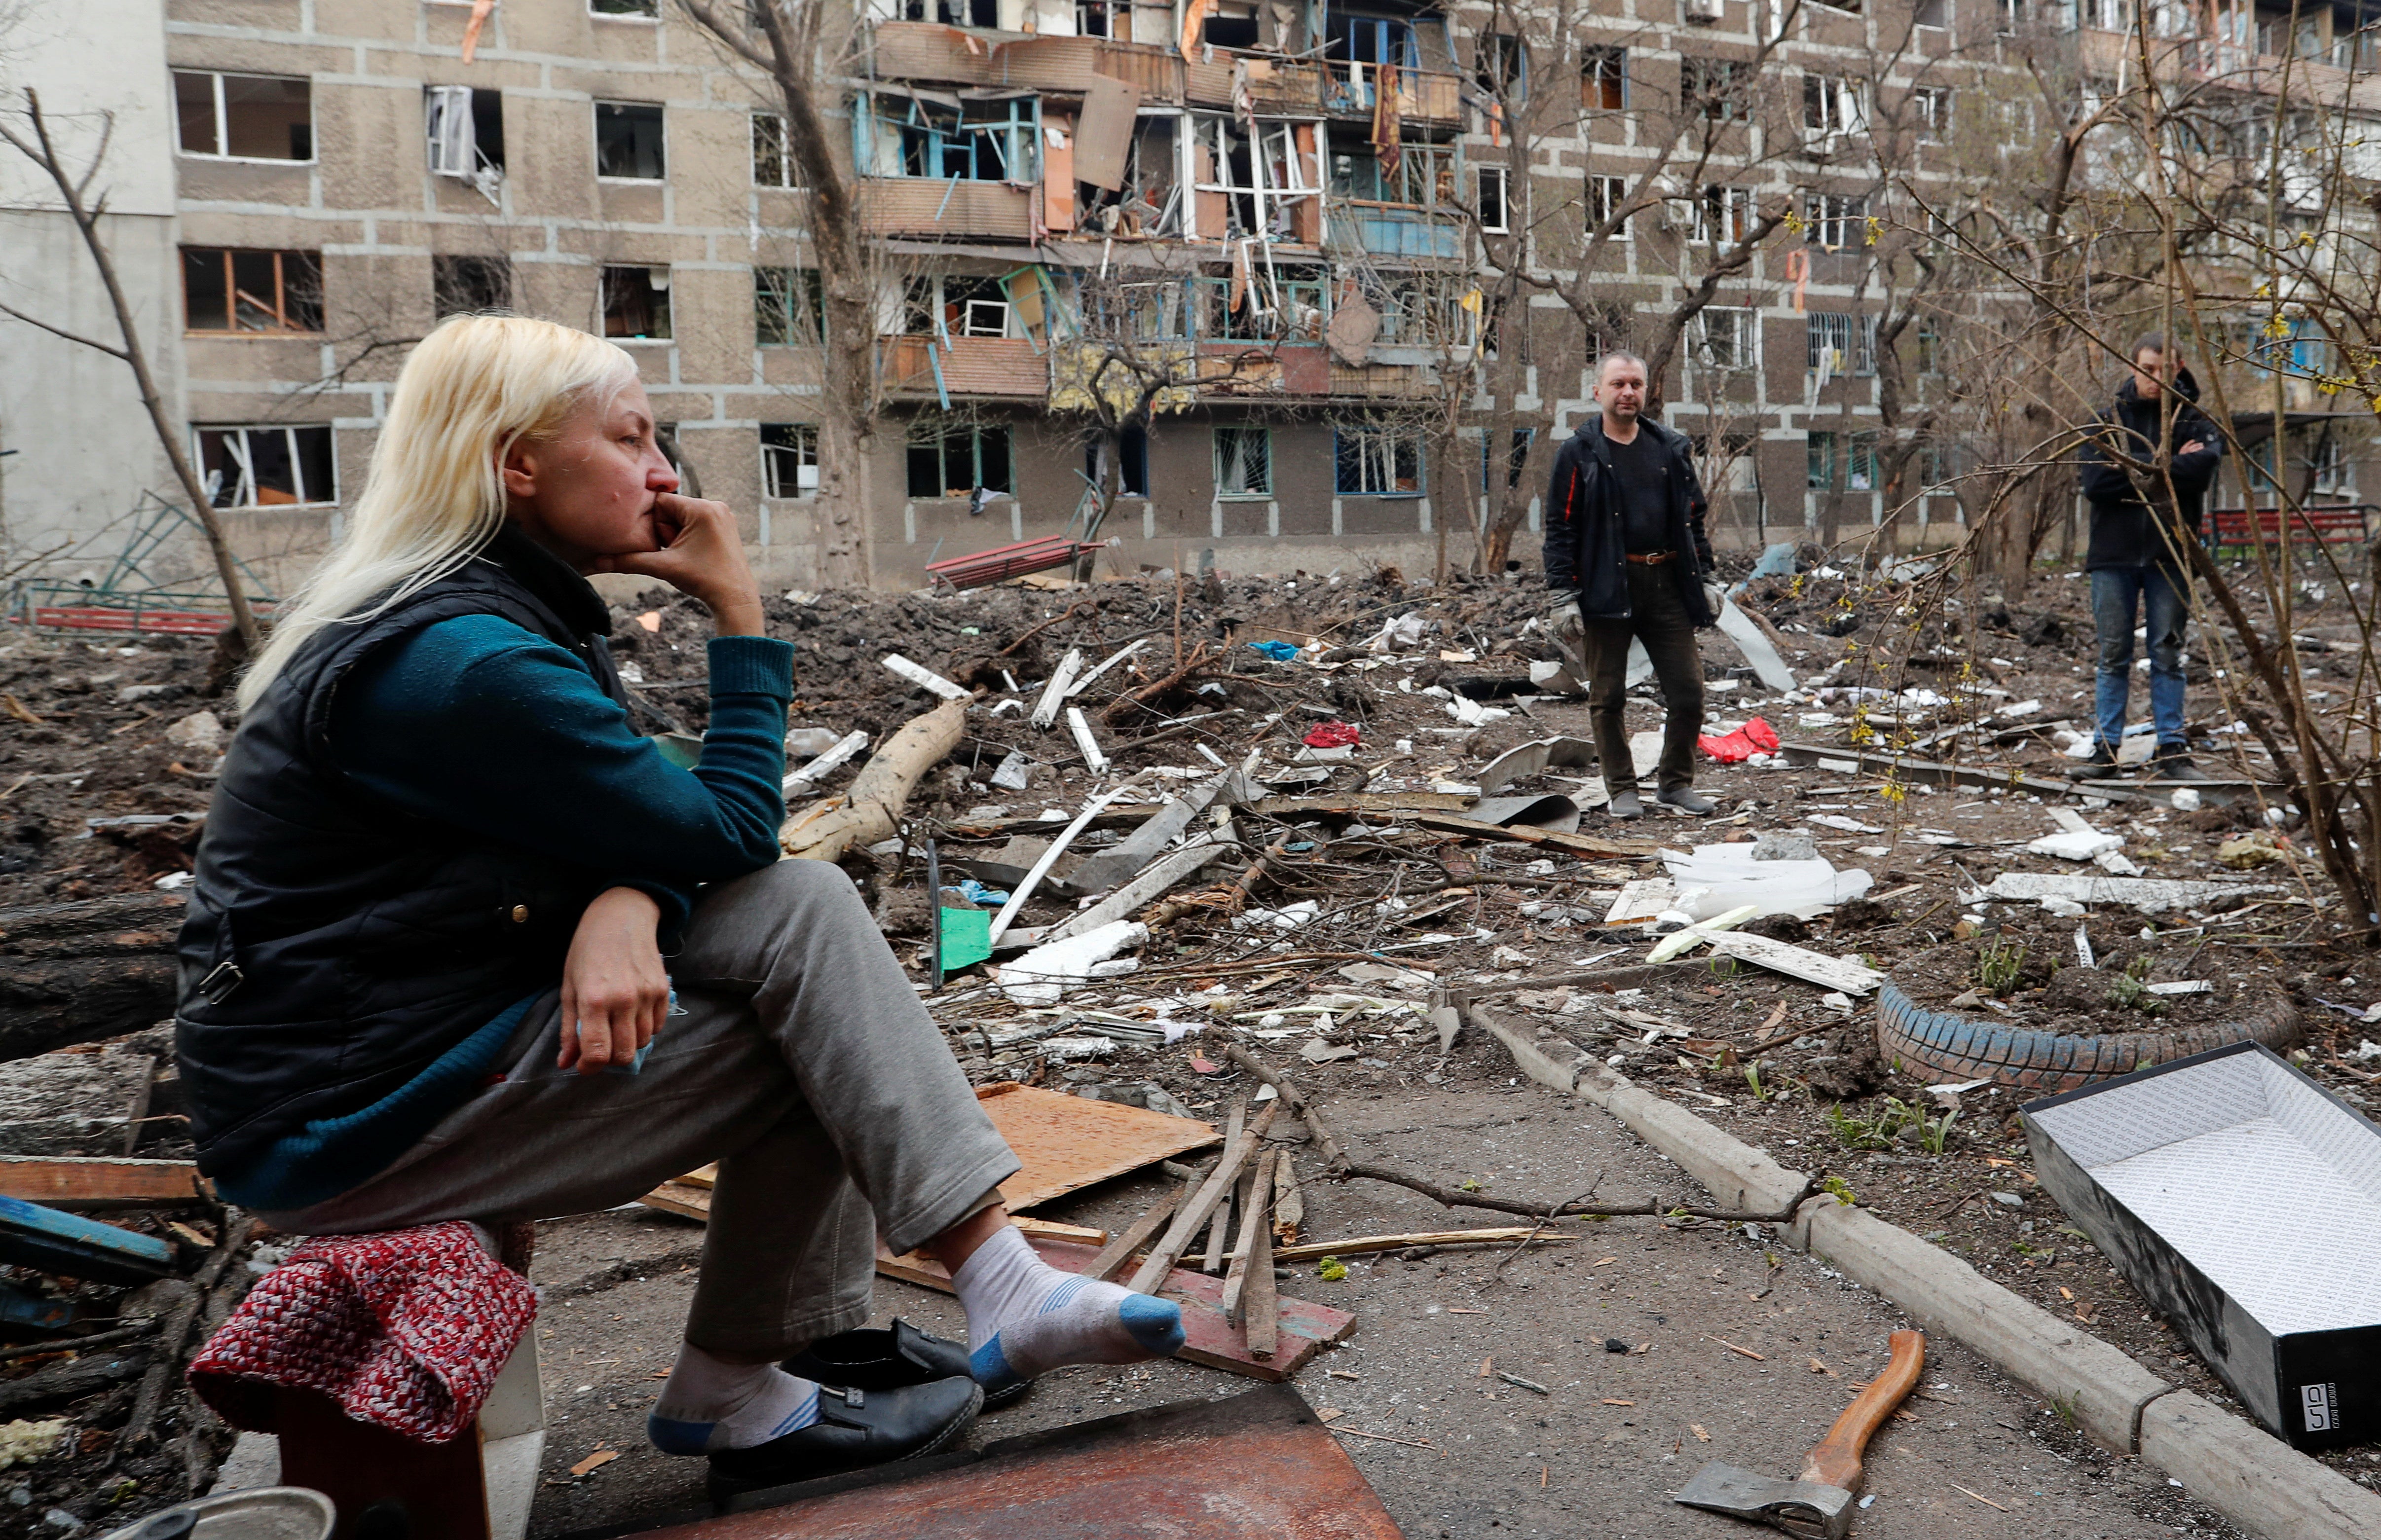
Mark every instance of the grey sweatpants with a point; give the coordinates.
(804, 1065)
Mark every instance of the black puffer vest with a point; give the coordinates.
(335, 944)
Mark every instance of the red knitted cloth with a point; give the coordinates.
(405, 1330)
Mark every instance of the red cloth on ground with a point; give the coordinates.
(405, 1331)
(1332, 734)
(1755, 736)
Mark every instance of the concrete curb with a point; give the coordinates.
(2255, 1480)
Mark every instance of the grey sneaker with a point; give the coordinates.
(1683, 797)
(1624, 804)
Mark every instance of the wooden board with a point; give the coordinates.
(1304, 1328)
(46, 1179)
(1070, 1142)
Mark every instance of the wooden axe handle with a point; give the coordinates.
(1835, 1461)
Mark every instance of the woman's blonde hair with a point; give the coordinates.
(472, 388)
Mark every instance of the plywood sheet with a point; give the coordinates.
(1255, 1464)
(1305, 1328)
(1069, 1143)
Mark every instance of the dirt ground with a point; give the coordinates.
(92, 732)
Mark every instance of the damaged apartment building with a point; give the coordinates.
(1218, 279)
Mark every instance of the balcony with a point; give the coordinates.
(970, 367)
(1422, 97)
(945, 210)
(1394, 229)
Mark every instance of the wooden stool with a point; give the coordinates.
(385, 1486)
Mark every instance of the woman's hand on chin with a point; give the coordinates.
(615, 991)
(701, 555)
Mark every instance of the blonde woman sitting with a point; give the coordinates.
(445, 894)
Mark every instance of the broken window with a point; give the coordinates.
(1230, 24)
(1243, 463)
(636, 303)
(1495, 217)
(1724, 337)
(954, 306)
(251, 291)
(1931, 106)
(267, 467)
(247, 117)
(1831, 104)
(1723, 214)
(1252, 186)
(772, 157)
(788, 306)
(1606, 196)
(789, 466)
(640, 10)
(1819, 471)
(1712, 88)
(953, 461)
(1860, 462)
(1501, 65)
(628, 141)
(466, 133)
(1423, 175)
(953, 12)
(1372, 40)
(1132, 462)
(1604, 79)
(1111, 18)
(948, 138)
(1419, 312)
(1377, 460)
(1148, 199)
(471, 285)
(1838, 220)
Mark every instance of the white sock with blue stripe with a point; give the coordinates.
(711, 1404)
(1026, 1317)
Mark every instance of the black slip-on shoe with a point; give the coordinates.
(890, 1358)
(2099, 767)
(856, 1428)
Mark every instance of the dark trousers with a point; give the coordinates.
(1662, 623)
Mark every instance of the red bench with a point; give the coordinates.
(2331, 524)
(1010, 561)
(96, 617)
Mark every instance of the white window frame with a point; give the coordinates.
(983, 318)
(1495, 213)
(802, 456)
(784, 153)
(1263, 435)
(595, 138)
(1377, 447)
(244, 458)
(222, 123)
(1840, 211)
(1736, 215)
(1603, 195)
(1845, 107)
(1742, 326)
(1931, 105)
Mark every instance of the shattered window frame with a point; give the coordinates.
(917, 136)
(772, 155)
(1243, 463)
(1259, 207)
(618, 288)
(471, 283)
(1425, 168)
(789, 460)
(218, 108)
(934, 448)
(628, 145)
(1723, 215)
(291, 300)
(789, 307)
(1603, 77)
(1819, 467)
(266, 465)
(1376, 459)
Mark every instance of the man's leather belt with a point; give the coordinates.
(1651, 558)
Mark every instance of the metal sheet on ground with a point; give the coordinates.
(1257, 1464)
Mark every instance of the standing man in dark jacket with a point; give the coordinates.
(1624, 533)
(2147, 466)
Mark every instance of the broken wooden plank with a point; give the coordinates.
(1800, 962)
(1132, 1238)
(1219, 1227)
(1261, 1313)
(51, 1240)
(1210, 1192)
(1067, 1142)
(1305, 1328)
(1145, 890)
(48, 1180)
(1256, 1191)
(1579, 844)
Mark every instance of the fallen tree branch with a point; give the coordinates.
(871, 808)
(1448, 1197)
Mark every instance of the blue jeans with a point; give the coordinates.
(2165, 601)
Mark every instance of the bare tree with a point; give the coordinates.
(34, 141)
